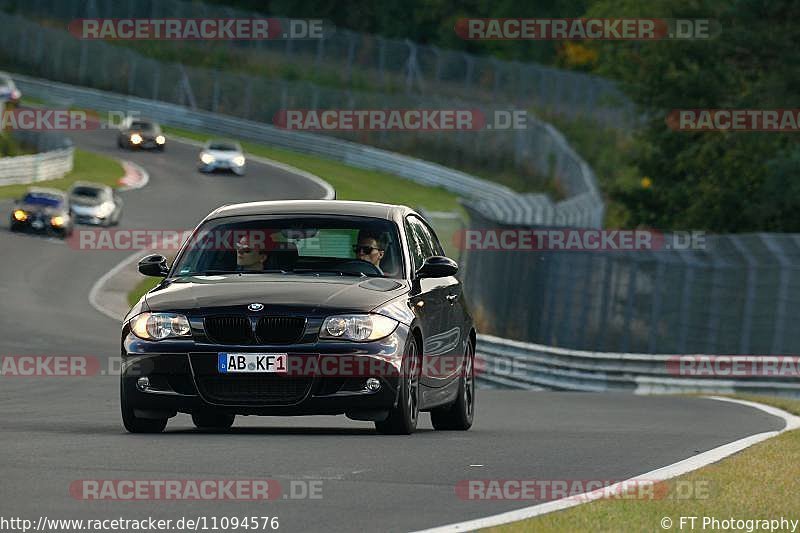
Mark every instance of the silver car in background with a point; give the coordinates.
(9, 93)
(220, 154)
(94, 203)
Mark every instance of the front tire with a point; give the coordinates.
(459, 415)
(212, 421)
(402, 419)
(134, 424)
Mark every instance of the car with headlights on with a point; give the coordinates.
(302, 308)
(42, 210)
(222, 155)
(9, 94)
(137, 133)
(94, 203)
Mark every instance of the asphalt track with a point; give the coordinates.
(58, 430)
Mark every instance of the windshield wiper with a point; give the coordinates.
(329, 271)
(221, 272)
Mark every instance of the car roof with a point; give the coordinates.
(313, 207)
(45, 190)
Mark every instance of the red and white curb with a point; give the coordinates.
(135, 176)
(668, 472)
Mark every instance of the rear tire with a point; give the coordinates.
(210, 420)
(458, 416)
(403, 418)
(134, 424)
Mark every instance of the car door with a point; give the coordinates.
(452, 316)
(429, 301)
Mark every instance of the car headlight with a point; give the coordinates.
(357, 327)
(207, 158)
(105, 209)
(58, 221)
(238, 160)
(157, 326)
(136, 138)
(20, 215)
(161, 139)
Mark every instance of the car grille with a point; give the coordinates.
(254, 389)
(229, 329)
(280, 329)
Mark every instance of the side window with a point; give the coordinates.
(423, 244)
(414, 246)
(436, 248)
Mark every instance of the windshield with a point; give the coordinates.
(223, 147)
(145, 126)
(89, 192)
(308, 245)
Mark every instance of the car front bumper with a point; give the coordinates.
(42, 226)
(324, 378)
(222, 165)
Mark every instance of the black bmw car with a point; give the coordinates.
(302, 308)
(42, 210)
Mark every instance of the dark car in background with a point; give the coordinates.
(9, 94)
(302, 308)
(138, 133)
(44, 211)
(94, 203)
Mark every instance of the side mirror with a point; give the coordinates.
(437, 266)
(154, 265)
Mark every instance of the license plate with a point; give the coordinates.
(252, 363)
(37, 224)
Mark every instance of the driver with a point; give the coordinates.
(248, 257)
(371, 247)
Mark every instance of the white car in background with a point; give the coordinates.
(94, 203)
(220, 154)
(9, 93)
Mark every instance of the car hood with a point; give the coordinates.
(41, 209)
(305, 293)
(148, 134)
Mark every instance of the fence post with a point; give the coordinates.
(655, 303)
(782, 293)
(747, 316)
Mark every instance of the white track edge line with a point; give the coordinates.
(661, 474)
(98, 285)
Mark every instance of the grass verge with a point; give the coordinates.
(761, 482)
(142, 287)
(88, 166)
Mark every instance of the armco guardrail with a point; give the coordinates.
(521, 365)
(53, 160)
(584, 207)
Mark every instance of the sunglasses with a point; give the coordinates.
(364, 250)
